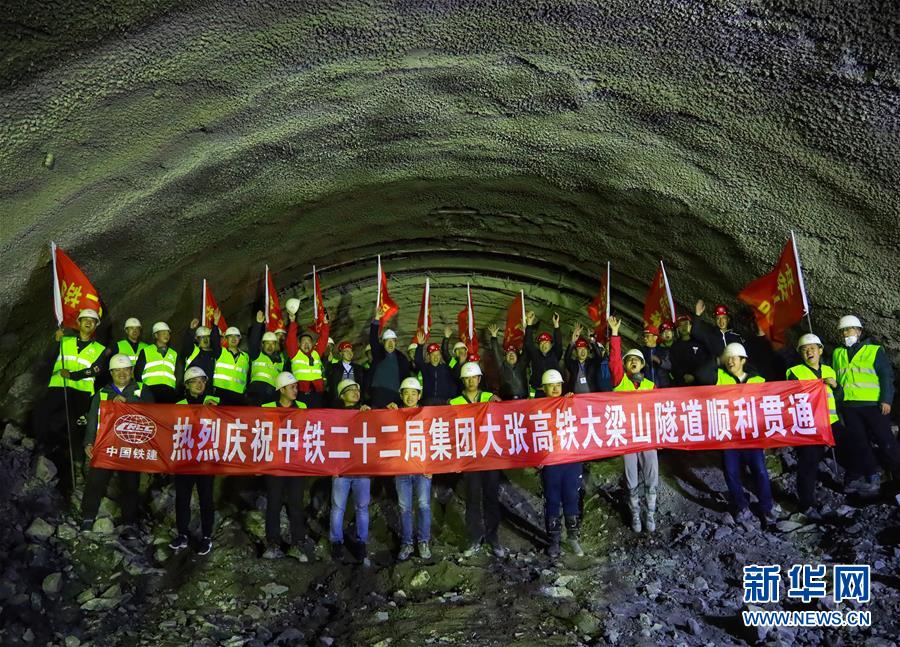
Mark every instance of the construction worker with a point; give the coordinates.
(714, 338)
(865, 373)
(580, 366)
(195, 380)
(439, 384)
(562, 486)
(411, 356)
(132, 344)
(407, 484)
(122, 388)
(688, 355)
(457, 357)
(627, 375)
(155, 368)
(266, 362)
(344, 368)
(811, 367)
(306, 362)
(666, 334)
(200, 347)
(341, 487)
(281, 490)
(546, 354)
(513, 370)
(482, 488)
(734, 370)
(232, 370)
(78, 360)
(657, 364)
(602, 377)
(389, 367)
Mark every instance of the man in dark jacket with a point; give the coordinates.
(581, 368)
(513, 369)
(343, 369)
(389, 368)
(656, 359)
(438, 382)
(544, 355)
(714, 338)
(687, 355)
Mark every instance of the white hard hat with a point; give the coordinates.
(284, 379)
(734, 350)
(202, 331)
(132, 322)
(331, 341)
(808, 339)
(120, 361)
(849, 321)
(412, 346)
(90, 313)
(634, 352)
(551, 376)
(470, 369)
(389, 334)
(269, 336)
(160, 325)
(292, 305)
(343, 385)
(232, 330)
(280, 330)
(410, 383)
(193, 372)
(459, 345)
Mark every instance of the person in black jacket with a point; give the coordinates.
(200, 347)
(546, 354)
(389, 367)
(656, 359)
(343, 369)
(714, 338)
(438, 382)
(581, 367)
(687, 355)
(513, 369)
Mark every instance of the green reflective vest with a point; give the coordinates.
(231, 372)
(210, 399)
(627, 385)
(857, 376)
(297, 404)
(70, 359)
(159, 369)
(484, 396)
(104, 396)
(803, 372)
(726, 378)
(263, 369)
(124, 347)
(306, 369)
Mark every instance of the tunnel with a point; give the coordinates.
(505, 145)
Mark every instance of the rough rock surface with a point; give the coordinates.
(507, 144)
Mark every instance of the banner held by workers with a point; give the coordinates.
(188, 439)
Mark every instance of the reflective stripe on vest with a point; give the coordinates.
(297, 404)
(627, 385)
(484, 397)
(210, 399)
(159, 370)
(124, 347)
(231, 373)
(71, 360)
(803, 372)
(193, 354)
(858, 376)
(725, 378)
(306, 369)
(263, 369)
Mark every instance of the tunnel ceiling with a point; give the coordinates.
(505, 144)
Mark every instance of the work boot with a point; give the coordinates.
(554, 532)
(573, 533)
(406, 551)
(634, 505)
(273, 551)
(651, 511)
(424, 550)
(473, 549)
(338, 553)
(297, 552)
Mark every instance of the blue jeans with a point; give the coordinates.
(733, 461)
(562, 485)
(340, 491)
(422, 485)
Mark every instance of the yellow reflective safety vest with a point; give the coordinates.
(627, 385)
(726, 378)
(306, 369)
(231, 372)
(297, 404)
(124, 347)
(263, 369)
(857, 375)
(70, 359)
(803, 372)
(484, 396)
(159, 369)
(210, 399)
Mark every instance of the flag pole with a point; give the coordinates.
(378, 286)
(522, 294)
(203, 304)
(315, 298)
(800, 280)
(427, 305)
(668, 292)
(267, 297)
(57, 306)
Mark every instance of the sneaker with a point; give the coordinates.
(812, 514)
(205, 547)
(338, 553)
(771, 517)
(406, 551)
(128, 533)
(472, 550)
(297, 553)
(179, 543)
(87, 525)
(273, 551)
(424, 550)
(498, 550)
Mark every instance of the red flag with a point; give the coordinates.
(466, 321)
(778, 299)
(514, 334)
(598, 309)
(209, 309)
(318, 303)
(72, 291)
(385, 305)
(424, 324)
(658, 306)
(274, 320)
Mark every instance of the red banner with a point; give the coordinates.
(658, 306)
(72, 291)
(598, 308)
(318, 304)
(514, 333)
(274, 319)
(196, 439)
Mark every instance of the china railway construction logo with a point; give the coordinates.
(135, 429)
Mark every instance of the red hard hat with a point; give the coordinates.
(581, 342)
(653, 330)
(720, 310)
(473, 357)
(510, 348)
(544, 336)
(345, 345)
(666, 325)
(683, 318)
(433, 347)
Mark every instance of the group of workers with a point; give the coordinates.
(297, 368)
